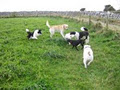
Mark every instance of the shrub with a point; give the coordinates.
(98, 25)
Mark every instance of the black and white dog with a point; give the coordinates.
(84, 35)
(34, 34)
(71, 35)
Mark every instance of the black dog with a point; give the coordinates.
(75, 43)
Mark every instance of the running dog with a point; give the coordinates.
(87, 55)
(34, 34)
(57, 28)
(75, 43)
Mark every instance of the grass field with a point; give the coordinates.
(52, 64)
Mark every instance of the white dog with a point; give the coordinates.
(57, 28)
(87, 55)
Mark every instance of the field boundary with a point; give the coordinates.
(107, 20)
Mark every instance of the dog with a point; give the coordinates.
(75, 43)
(57, 28)
(84, 35)
(71, 35)
(87, 55)
(33, 35)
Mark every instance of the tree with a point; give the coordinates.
(82, 9)
(109, 8)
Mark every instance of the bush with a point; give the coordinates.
(98, 25)
(116, 36)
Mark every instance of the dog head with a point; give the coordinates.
(69, 41)
(87, 46)
(65, 26)
(37, 32)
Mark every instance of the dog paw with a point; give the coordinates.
(85, 66)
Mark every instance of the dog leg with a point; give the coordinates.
(34, 38)
(72, 47)
(69, 43)
(82, 44)
(89, 62)
(87, 40)
(77, 38)
(51, 33)
(84, 62)
(62, 34)
(76, 48)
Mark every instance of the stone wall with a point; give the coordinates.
(60, 13)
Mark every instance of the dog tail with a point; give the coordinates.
(27, 30)
(84, 29)
(47, 24)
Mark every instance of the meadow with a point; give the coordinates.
(52, 64)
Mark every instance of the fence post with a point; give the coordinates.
(107, 21)
(89, 22)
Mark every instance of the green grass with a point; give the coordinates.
(52, 64)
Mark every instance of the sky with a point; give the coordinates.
(56, 5)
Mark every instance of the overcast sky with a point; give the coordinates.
(56, 5)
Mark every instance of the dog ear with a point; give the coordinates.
(65, 26)
(85, 46)
(39, 29)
